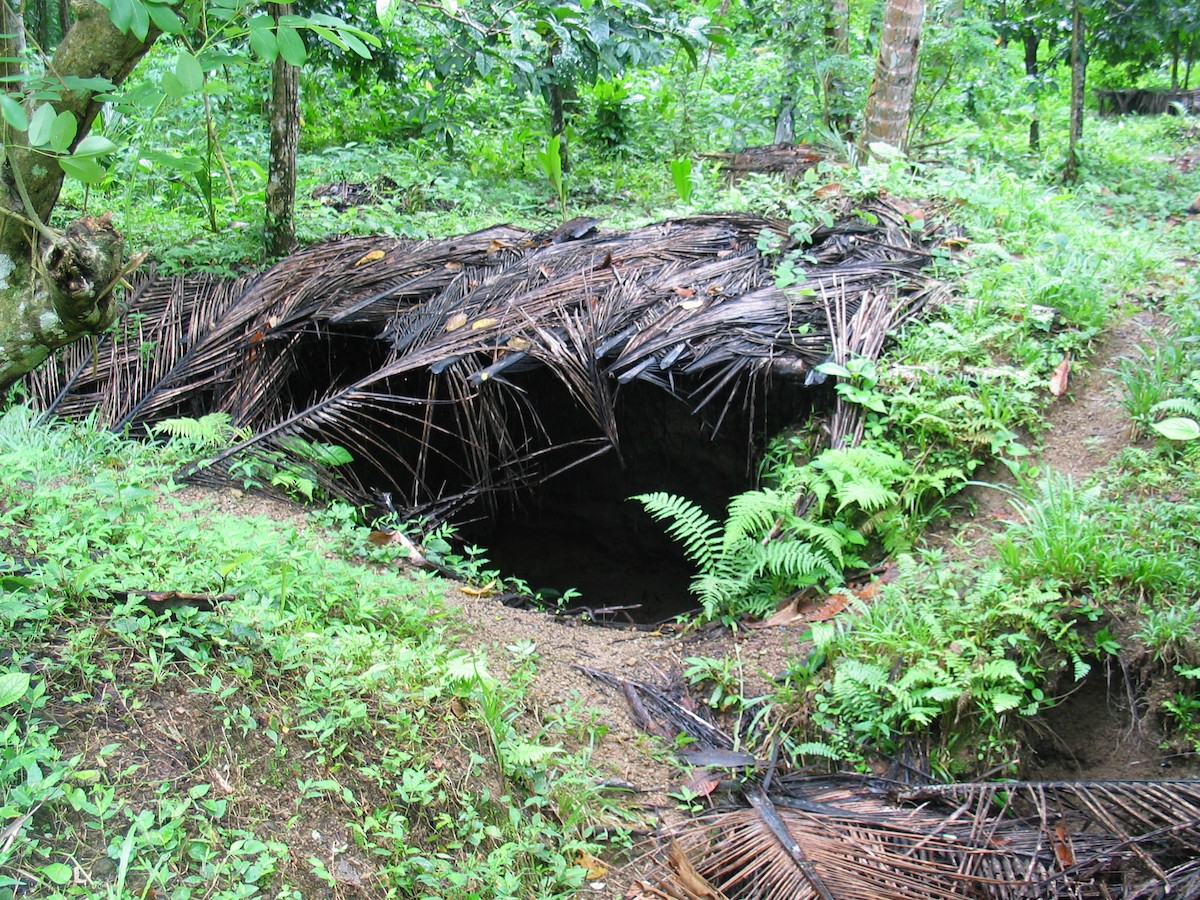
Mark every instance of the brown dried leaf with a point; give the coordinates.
(694, 885)
(1062, 374)
(592, 867)
(833, 605)
(702, 782)
(833, 189)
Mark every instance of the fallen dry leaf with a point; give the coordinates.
(1058, 381)
(702, 782)
(591, 866)
(695, 886)
(833, 605)
(369, 257)
(456, 321)
(833, 189)
(481, 591)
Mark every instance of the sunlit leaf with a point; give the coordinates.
(94, 145)
(63, 131)
(59, 873)
(291, 46)
(139, 25)
(13, 686)
(14, 113)
(120, 13)
(189, 73)
(264, 45)
(1178, 428)
(86, 169)
(41, 125)
(165, 18)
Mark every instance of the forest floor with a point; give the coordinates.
(1090, 736)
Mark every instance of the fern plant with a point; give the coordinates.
(208, 432)
(740, 572)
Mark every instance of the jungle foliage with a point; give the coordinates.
(325, 675)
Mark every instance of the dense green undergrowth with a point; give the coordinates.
(302, 672)
(338, 685)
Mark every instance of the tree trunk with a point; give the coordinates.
(284, 114)
(1078, 81)
(56, 287)
(837, 44)
(785, 120)
(1031, 41)
(41, 23)
(890, 100)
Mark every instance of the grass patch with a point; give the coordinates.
(308, 722)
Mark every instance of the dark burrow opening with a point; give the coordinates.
(581, 530)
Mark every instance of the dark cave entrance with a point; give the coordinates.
(580, 530)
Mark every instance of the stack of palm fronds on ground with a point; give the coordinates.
(797, 836)
(428, 359)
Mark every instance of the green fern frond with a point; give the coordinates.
(700, 535)
(829, 539)
(212, 430)
(796, 561)
(869, 496)
(754, 513)
(1183, 406)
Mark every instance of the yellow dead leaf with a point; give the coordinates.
(592, 866)
(479, 591)
(691, 304)
(370, 257)
(456, 321)
(517, 343)
(480, 324)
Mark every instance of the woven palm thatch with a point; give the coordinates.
(800, 836)
(418, 355)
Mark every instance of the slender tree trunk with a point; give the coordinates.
(785, 120)
(284, 116)
(64, 16)
(890, 102)
(557, 101)
(837, 45)
(1031, 41)
(1078, 82)
(41, 11)
(56, 287)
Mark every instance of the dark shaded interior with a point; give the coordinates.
(581, 530)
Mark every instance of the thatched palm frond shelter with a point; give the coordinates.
(420, 356)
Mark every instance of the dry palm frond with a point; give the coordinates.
(418, 355)
(853, 837)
